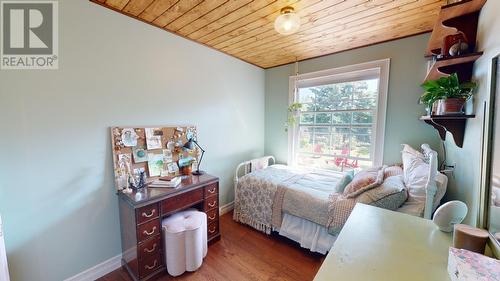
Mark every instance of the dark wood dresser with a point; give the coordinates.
(141, 213)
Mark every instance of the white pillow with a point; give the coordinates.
(416, 173)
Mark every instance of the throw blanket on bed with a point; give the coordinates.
(255, 194)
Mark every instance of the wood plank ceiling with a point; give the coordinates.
(245, 28)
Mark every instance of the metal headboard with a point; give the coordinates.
(246, 167)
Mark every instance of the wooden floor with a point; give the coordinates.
(246, 254)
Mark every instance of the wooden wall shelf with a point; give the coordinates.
(455, 124)
(462, 16)
(462, 65)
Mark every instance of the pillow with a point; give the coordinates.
(363, 181)
(416, 174)
(393, 171)
(391, 194)
(344, 181)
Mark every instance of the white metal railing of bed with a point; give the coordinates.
(431, 186)
(246, 167)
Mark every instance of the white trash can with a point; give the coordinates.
(185, 241)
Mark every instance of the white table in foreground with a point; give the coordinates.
(378, 244)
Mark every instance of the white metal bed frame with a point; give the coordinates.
(431, 186)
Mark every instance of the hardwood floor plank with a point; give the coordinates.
(245, 254)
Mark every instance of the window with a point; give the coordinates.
(341, 123)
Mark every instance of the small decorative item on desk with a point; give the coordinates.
(464, 265)
(167, 181)
(190, 145)
(470, 238)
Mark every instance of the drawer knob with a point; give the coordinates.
(211, 190)
(149, 233)
(150, 214)
(211, 205)
(150, 250)
(151, 266)
(211, 217)
(211, 231)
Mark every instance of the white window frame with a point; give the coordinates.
(342, 74)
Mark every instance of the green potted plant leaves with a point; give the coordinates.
(449, 92)
(293, 115)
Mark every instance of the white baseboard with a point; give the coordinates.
(226, 208)
(99, 270)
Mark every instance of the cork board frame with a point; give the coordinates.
(156, 150)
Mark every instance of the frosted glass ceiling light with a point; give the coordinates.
(288, 22)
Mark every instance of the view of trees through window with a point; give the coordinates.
(336, 127)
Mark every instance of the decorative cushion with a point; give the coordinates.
(391, 171)
(344, 181)
(416, 174)
(391, 194)
(363, 181)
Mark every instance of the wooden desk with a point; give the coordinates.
(141, 214)
(378, 244)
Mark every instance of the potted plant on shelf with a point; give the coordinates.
(446, 95)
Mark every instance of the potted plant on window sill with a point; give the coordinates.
(446, 95)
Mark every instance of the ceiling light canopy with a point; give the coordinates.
(288, 22)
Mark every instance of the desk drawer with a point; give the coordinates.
(148, 230)
(212, 215)
(150, 265)
(211, 189)
(181, 201)
(150, 247)
(147, 213)
(211, 203)
(213, 229)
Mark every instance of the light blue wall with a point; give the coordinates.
(465, 184)
(408, 69)
(56, 185)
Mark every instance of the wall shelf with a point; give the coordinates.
(462, 65)
(455, 124)
(462, 16)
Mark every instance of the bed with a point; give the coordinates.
(297, 203)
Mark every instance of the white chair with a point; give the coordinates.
(185, 241)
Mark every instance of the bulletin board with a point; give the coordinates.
(153, 151)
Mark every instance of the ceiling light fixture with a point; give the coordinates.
(288, 22)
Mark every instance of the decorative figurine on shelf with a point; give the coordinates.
(455, 45)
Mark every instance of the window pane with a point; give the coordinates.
(362, 117)
(323, 97)
(305, 95)
(305, 139)
(321, 143)
(323, 118)
(365, 89)
(307, 107)
(322, 130)
(306, 118)
(362, 130)
(342, 118)
(364, 104)
(345, 104)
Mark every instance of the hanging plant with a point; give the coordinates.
(293, 115)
